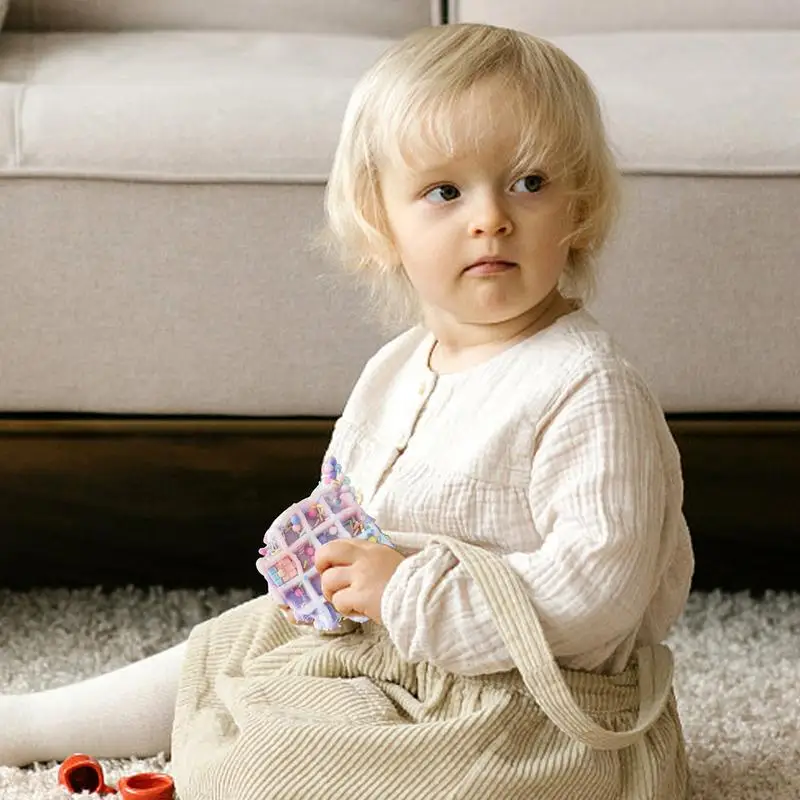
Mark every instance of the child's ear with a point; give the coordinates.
(579, 215)
(389, 258)
(576, 209)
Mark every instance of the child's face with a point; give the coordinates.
(446, 215)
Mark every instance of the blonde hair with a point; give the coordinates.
(408, 99)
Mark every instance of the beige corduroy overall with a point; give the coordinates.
(269, 712)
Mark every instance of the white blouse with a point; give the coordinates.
(553, 454)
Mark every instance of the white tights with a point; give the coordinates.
(124, 713)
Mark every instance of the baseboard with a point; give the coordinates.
(184, 501)
(168, 501)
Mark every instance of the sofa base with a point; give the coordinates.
(183, 502)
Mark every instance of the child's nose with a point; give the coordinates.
(490, 219)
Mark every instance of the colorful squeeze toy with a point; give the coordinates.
(331, 511)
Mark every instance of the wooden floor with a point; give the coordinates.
(184, 502)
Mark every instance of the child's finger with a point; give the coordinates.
(334, 580)
(334, 554)
(345, 601)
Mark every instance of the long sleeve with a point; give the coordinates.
(598, 496)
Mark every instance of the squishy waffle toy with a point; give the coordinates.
(332, 511)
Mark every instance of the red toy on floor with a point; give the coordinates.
(82, 773)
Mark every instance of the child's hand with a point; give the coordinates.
(355, 573)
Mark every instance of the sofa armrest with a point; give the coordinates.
(564, 17)
(387, 18)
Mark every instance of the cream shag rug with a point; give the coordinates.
(737, 679)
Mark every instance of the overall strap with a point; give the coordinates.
(522, 634)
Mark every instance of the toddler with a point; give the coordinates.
(517, 459)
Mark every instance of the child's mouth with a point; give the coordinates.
(481, 268)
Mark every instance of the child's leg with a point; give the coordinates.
(124, 713)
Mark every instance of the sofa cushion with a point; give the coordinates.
(142, 105)
(558, 17)
(176, 105)
(152, 298)
(354, 17)
(264, 106)
(697, 102)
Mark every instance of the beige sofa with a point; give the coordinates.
(162, 165)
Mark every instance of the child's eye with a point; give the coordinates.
(530, 183)
(443, 193)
